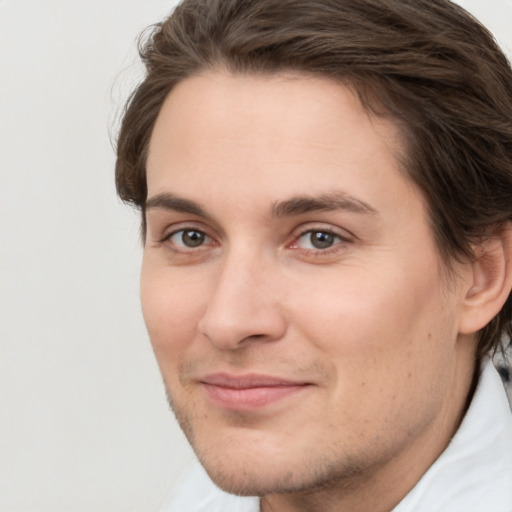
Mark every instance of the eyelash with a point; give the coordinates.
(337, 239)
(168, 237)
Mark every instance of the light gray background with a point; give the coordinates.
(84, 424)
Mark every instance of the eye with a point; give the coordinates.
(318, 239)
(188, 238)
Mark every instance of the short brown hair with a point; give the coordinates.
(428, 63)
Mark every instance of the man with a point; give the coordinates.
(326, 199)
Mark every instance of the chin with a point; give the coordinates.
(246, 463)
(244, 460)
(246, 479)
(261, 467)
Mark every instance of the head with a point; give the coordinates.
(381, 129)
(440, 77)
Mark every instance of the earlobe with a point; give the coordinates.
(490, 281)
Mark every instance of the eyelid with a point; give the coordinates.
(185, 226)
(182, 245)
(318, 255)
(302, 230)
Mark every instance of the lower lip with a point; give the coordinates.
(249, 399)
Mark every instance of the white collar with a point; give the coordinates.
(474, 473)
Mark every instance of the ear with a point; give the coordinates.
(489, 281)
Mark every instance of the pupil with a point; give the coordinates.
(322, 240)
(192, 238)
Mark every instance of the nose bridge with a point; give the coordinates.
(243, 303)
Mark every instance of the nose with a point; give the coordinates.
(243, 305)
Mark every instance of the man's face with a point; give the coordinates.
(291, 286)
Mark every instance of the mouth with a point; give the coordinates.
(248, 392)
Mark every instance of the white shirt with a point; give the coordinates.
(473, 474)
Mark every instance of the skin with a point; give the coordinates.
(233, 282)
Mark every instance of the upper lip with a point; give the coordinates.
(248, 381)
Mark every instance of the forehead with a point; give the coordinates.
(269, 133)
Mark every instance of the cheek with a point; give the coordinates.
(386, 370)
(171, 311)
(380, 299)
(371, 326)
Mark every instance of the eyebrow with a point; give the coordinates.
(168, 201)
(290, 207)
(324, 202)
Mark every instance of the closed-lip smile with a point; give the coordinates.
(248, 392)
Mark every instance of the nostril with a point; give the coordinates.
(504, 373)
